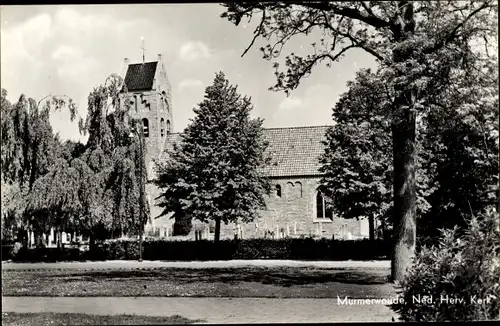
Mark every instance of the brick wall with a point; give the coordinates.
(293, 214)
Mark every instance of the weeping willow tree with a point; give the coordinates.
(113, 164)
(94, 188)
(29, 148)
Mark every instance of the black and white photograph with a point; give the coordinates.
(250, 162)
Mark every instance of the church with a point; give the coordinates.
(295, 208)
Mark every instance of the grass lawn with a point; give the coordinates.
(263, 282)
(38, 319)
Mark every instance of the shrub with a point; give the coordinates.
(302, 249)
(15, 249)
(464, 267)
(47, 255)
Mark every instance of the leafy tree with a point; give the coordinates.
(115, 161)
(462, 139)
(55, 199)
(12, 210)
(29, 146)
(422, 48)
(356, 167)
(456, 162)
(214, 173)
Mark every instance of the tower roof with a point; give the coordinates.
(140, 76)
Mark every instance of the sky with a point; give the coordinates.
(69, 50)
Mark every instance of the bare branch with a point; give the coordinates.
(312, 62)
(357, 42)
(257, 32)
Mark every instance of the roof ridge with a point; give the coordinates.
(298, 127)
(141, 63)
(274, 128)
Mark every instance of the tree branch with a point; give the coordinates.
(257, 32)
(369, 19)
(307, 68)
(350, 37)
(367, 8)
(452, 34)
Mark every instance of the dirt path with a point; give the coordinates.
(211, 310)
(131, 264)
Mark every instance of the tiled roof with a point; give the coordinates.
(140, 76)
(294, 151)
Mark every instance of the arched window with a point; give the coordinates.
(162, 126)
(321, 210)
(145, 126)
(168, 127)
(298, 189)
(289, 190)
(278, 190)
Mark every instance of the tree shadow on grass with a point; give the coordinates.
(49, 318)
(285, 277)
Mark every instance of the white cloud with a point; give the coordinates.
(65, 52)
(190, 83)
(313, 108)
(24, 42)
(191, 51)
(72, 20)
(34, 32)
(290, 103)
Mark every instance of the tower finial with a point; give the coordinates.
(143, 49)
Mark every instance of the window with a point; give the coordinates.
(168, 127)
(145, 126)
(164, 100)
(289, 190)
(298, 189)
(278, 190)
(135, 101)
(162, 126)
(321, 210)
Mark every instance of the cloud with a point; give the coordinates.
(290, 103)
(190, 83)
(313, 108)
(191, 51)
(65, 52)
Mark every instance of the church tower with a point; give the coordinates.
(149, 97)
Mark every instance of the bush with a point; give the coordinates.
(464, 267)
(299, 249)
(15, 249)
(48, 255)
(302, 249)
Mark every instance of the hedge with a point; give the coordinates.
(296, 249)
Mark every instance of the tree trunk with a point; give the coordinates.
(217, 230)
(403, 139)
(59, 238)
(38, 239)
(371, 227)
(404, 220)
